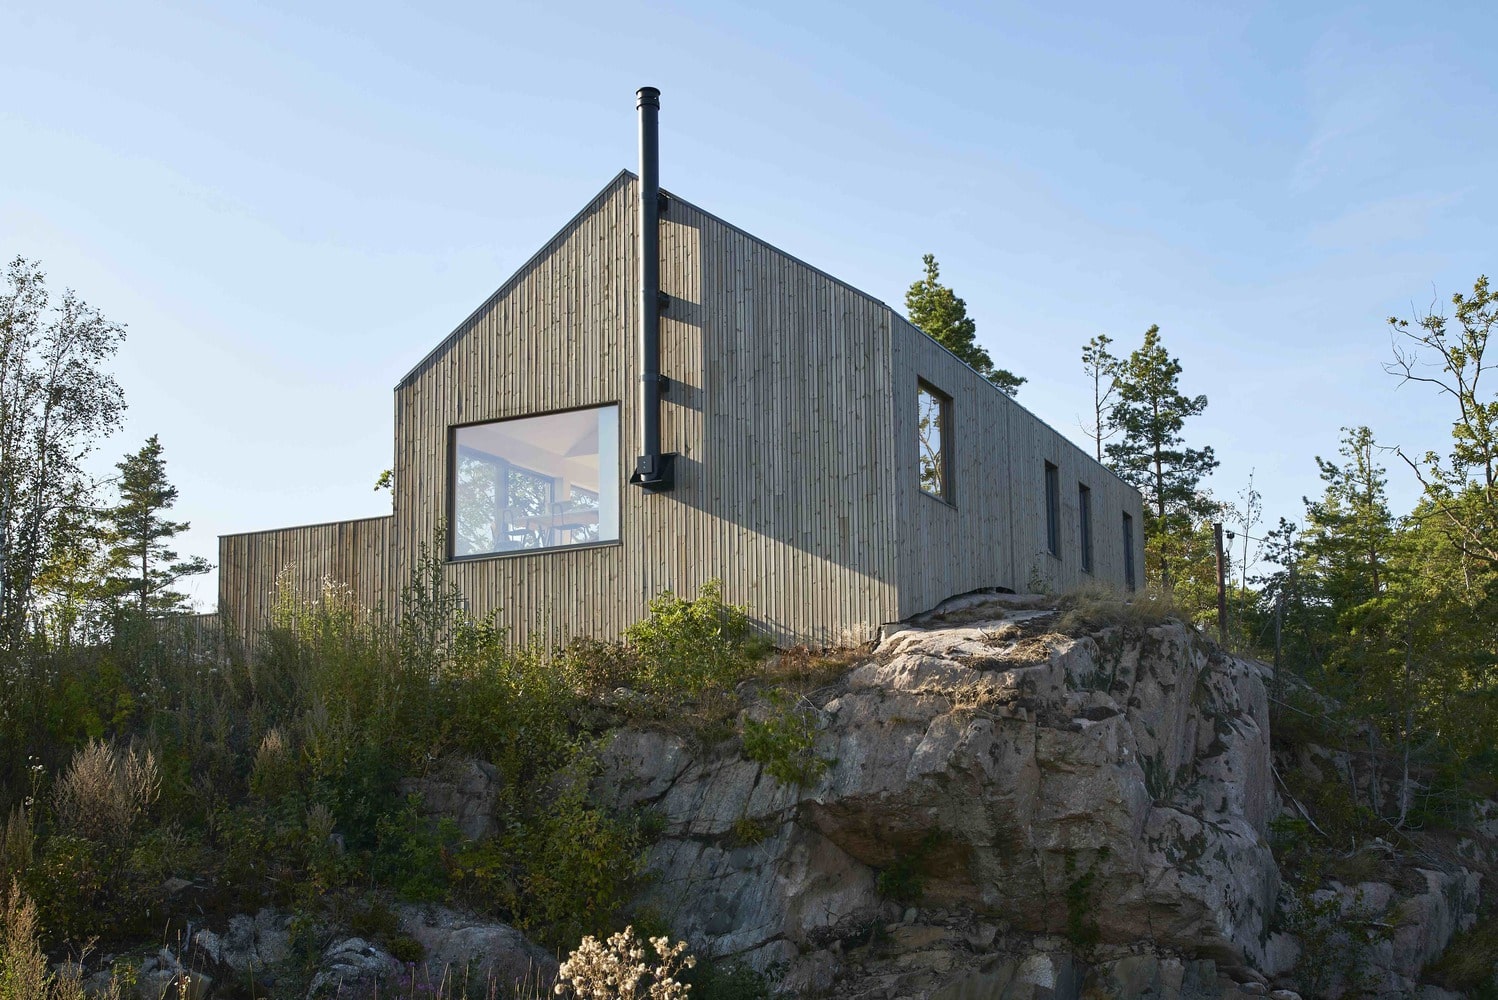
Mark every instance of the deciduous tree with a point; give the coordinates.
(1461, 489)
(56, 404)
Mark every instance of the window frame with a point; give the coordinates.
(1128, 546)
(945, 457)
(1084, 524)
(1053, 508)
(449, 507)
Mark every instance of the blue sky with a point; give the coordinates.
(290, 204)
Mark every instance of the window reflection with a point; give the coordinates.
(536, 482)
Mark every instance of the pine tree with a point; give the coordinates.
(1151, 453)
(943, 317)
(139, 567)
(1103, 368)
(1349, 530)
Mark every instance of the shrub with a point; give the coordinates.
(784, 744)
(730, 981)
(18, 845)
(622, 969)
(575, 864)
(688, 645)
(106, 791)
(1470, 963)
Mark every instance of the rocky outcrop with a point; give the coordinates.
(476, 956)
(460, 789)
(1106, 788)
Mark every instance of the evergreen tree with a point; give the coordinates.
(943, 317)
(1151, 453)
(139, 567)
(1348, 531)
(1103, 368)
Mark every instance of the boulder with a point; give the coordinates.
(352, 967)
(462, 789)
(476, 956)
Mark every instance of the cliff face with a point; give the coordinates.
(999, 790)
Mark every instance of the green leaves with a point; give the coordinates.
(943, 317)
(1150, 416)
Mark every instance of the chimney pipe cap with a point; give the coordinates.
(648, 97)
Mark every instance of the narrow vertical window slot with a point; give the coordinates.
(1053, 509)
(1084, 524)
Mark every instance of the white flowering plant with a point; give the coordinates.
(622, 968)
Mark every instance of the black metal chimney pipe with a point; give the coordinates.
(654, 471)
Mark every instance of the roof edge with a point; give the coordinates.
(511, 281)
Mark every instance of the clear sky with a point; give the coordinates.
(289, 204)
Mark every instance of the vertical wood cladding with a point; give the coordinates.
(792, 407)
(994, 531)
(777, 407)
(361, 555)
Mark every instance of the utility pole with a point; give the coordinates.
(1222, 588)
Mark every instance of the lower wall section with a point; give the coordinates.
(360, 555)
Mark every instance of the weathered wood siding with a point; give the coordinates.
(361, 555)
(792, 405)
(993, 533)
(778, 406)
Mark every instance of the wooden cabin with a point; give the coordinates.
(831, 464)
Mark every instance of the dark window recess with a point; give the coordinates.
(1128, 544)
(1084, 525)
(1053, 509)
(933, 425)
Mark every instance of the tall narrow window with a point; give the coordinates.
(535, 482)
(1084, 524)
(933, 425)
(1053, 509)
(1128, 544)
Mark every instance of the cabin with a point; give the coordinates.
(657, 399)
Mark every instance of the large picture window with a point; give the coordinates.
(536, 482)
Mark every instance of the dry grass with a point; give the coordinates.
(803, 671)
(1091, 609)
(18, 846)
(24, 974)
(1470, 962)
(106, 791)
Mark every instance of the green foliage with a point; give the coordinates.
(727, 981)
(1151, 453)
(1461, 490)
(1338, 938)
(785, 742)
(942, 316)
(688, 646)
(139, 567)
(56, 403)
(1103, 369)
(1470, 963)
(1081, 903)
(904, 879)
(747, 831)
(576, 865)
